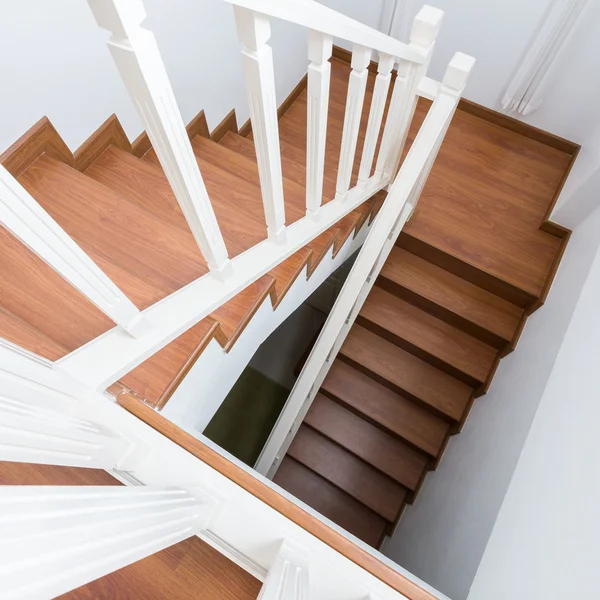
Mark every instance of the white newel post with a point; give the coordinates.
(357, 84)
(288, 576)
(404, 97)
(380, 93)
(31, 224)
(54, 539)
(257, 61)
(320, 47)
(138, 59)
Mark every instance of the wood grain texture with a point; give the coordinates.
(405, 373)
(12, 473)
(229, 123)
(367, 442)
(384, 408)
(275, 500)
(330, 501)
(359, 480)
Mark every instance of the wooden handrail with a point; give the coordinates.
(272, 498)
(326, 20)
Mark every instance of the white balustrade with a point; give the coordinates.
(380, 93)
(357, 85)
(31, 224)
(54, 539)
(288, 576)
(257, 61)
(319, 72)
(396, 210)
(404, 96)
(137, 57)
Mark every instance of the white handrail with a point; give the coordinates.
(396, 210)
(31, 224)
(321, 18)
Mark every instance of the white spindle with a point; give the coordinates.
(357, 85)
(35, 435)
(380, 93)
(257, 61)
(138, 59)
(319, 73)
(30, 223)
(404, 97)
(288, 576)
(55, 539)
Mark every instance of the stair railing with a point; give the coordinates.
(396, 210)
(68, 536)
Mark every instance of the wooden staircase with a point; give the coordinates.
(474, 261)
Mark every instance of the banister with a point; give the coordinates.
(326, 20)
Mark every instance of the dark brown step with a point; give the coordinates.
(453, 299)
(385, 408)
(330, 501)
(405, 373)
(427, 337)
(365, 484)
(369, 443)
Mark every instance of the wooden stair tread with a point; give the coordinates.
(365, 484)
(408, 326)
(407, 373)
(369, 443)
(452, 295)
(330, 501)
(386, 408)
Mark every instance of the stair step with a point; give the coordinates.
(365, 484)
(405, 373)
(427, 337)
(101, 222)
(330, 501)
(369, 443)
(385, 408)
(472, 309)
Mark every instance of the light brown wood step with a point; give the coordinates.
(455, 300)
(427, 337)
(365, 484)
(385, 408)
(330, 501)
(405, 373)
(369, 443)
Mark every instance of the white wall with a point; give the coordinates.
(443, 536)
(545, 543)
(55, 63)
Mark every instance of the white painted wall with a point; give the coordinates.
(55, 63)
(442, 538)
(545, 542)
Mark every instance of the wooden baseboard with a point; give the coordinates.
(229, 123)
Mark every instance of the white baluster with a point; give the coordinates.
(138, 59)
(32, 434)
(404, 97)
(288, 576)
(357, 85)
(380, 93)
(319, 73)
(257, 61)
(55, 539)
(30, 223)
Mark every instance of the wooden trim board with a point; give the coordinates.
(273, 499)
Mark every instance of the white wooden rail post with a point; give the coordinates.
(31, 224)
(257, 61)
(394, 213)
(424, 31)
(357, 85)
(320, 47)
(138, 59)
(380, 93)
(54, 539)
(288, 576)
